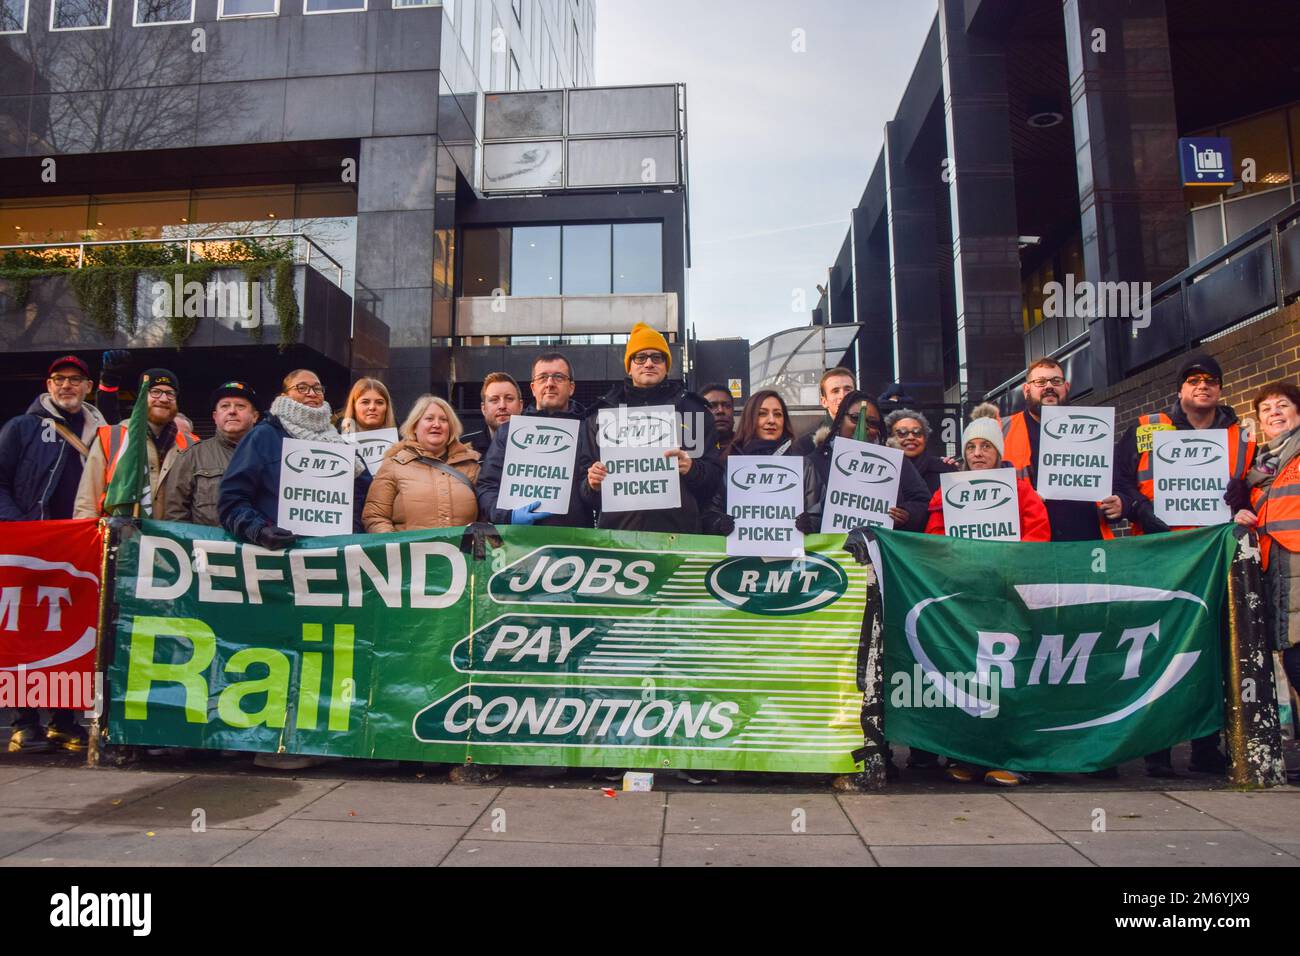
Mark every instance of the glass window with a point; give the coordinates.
(13, 16)
(243, 209)
(325, 200)
(586, 260)
(56, 219)
(80, 14)
(525, 114)
(139, 215)
(466, 25)
(1249, 211)
(513, 81)
(487, 261)
(1262, 139)
(638, 257)
(163, 11)
(399, 4)
(535, 261)
(332, 6)
(517, 7)
(628, 110)
(1207, 231)
(249, 8)
(623, 162)
(522, 166)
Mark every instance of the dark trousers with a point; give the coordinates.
(29, 718)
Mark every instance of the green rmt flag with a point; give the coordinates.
(130, 484)
(1063, 657)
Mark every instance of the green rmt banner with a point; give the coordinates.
(1065, 657)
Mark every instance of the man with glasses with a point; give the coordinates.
(723, 406)
(552, 386)
(648, 362)
(1045, 384)
(42, 453)
(499, 398)
(1200, 386)
(166, 444)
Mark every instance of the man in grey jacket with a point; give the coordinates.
(194, 482)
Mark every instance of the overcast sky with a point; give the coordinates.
(781, 143)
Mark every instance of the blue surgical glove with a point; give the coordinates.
(528, 514)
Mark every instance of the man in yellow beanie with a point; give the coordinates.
(648, 360)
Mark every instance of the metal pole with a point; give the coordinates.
(872, 754)
(107, 562)
(1251, 725)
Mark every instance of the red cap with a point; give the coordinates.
(81, 366)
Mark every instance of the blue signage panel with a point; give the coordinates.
(1206, 161)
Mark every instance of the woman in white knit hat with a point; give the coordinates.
(981, 451)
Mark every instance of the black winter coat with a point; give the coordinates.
(913, 493)
(488, 485)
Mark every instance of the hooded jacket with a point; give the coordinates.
(409, 493)
(488, 485)
(698, 432)
(913, 494)
(31, 465)
(249, 499)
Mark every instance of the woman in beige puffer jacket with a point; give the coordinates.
(410, 491)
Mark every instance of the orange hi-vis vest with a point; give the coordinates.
(1015, 444)
(112, 441)
(1241, 452)
(1279, 511)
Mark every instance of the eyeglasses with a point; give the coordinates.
(302, 388)
(1044, 382)
(909, 432)
(875, 424)
(649, 358)
(559, 378)
(162, 394)
(1195, 380)
(69, 379)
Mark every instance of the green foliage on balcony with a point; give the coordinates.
(105, 284)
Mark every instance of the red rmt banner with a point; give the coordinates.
(49, 605)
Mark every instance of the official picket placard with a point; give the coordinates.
(863, 485)
(981, 504)
(316, 485)
(539, 462)
(764, 497)
(372, 445)
(632, 445)
(639, 479)
(1076, 453)
(1190, 471)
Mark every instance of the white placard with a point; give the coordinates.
(1076, 451)
(863, 486)
(372, 445)
(539, 462)
(983, 505)
(645, 426)
(639, 479)
(764, 496)
(316, 485)
(1190, 469)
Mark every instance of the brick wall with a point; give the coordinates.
(1264, 351)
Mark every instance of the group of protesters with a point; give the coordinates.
(58, 460)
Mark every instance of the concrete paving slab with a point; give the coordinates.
(1049, 854)
(228, 802)
(8, 774)
(947, 819)
(775, 814)
(21, 827)
(746, 850)
(521, 853)
(374, 801)
(572, 816)
(84, 789)
(1273, 815)
(102, 844)
(331, 843)
(1120, 810)
(1178, 848)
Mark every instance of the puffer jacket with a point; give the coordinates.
(30, 466)
(409, 493)
(1034, 523)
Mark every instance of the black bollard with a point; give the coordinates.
(1251, 724)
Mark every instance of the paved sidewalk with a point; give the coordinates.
(71, 816)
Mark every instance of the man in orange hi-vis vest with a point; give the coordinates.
(1045, 384)
(1200, 385)
(110, 441)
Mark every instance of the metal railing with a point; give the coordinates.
(304, 248)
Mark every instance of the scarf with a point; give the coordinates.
(1271, 457)
(309, 424)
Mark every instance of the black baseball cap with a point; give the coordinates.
(161, 376)
(72, 360)
(1199, 362)
(234, 390)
